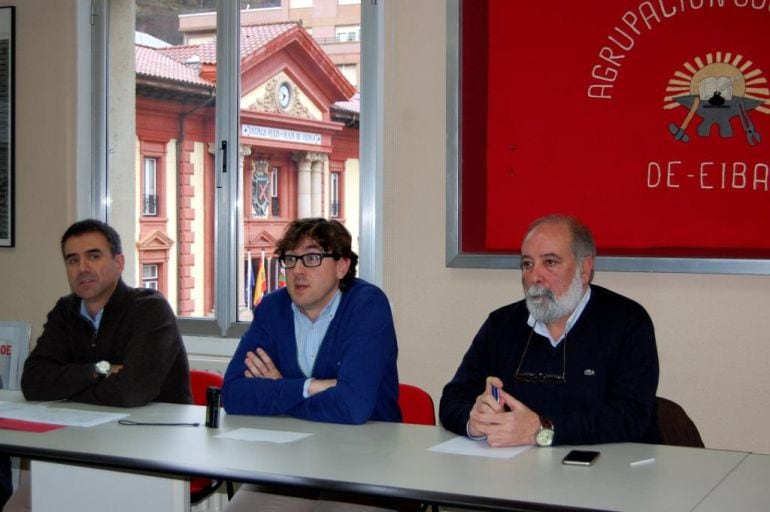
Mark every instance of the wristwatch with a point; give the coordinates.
(544, 436)
(102, 369)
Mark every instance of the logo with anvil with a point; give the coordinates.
(717, 89)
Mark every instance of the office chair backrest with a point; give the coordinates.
(14, 347)
(416, 405)
(676, 427)
(200, 380)
(200, 487)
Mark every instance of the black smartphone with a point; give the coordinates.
(580, 458)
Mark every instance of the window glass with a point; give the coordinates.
(348, 33)
(297, 120)
(334, 193)
(150, 276)
(150, 196)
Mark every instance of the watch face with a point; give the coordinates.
(103, 368)
(284, 95)
(544, 437)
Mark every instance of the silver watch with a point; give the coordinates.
(102, 369)
(544, 436)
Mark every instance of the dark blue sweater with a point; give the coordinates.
(611, 372)
(359, 350)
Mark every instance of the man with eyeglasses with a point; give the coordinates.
(324, 347)
(572, 363)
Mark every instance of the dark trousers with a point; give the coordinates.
(6, 484)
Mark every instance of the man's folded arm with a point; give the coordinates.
(47, 375)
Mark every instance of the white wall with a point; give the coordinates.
(32, 273)
(713, 331)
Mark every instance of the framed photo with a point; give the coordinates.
(7, 91)
(648, 121)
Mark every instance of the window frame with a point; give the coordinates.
(93, 196)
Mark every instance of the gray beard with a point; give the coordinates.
(546, 307)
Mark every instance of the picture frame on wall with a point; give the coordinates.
(655, 136)
(7, 138)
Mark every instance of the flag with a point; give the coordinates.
(281, 277)
(261, 286)
(249, 279)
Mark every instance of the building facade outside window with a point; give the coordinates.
(350, 71)
(297, 111)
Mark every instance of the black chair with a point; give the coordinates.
(676, 427)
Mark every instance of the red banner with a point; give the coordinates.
(648, 120)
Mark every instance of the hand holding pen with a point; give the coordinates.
(487, 407)
(494, 388)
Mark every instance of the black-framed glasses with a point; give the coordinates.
(543, 378)
(311, 259)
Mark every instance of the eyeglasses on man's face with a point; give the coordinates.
(538, 377)
(311, 259)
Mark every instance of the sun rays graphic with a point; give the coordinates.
(716, 78)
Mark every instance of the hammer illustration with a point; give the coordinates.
(679, 131)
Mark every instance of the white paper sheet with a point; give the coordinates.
(56, 416)
(465, 446)
(265, 436)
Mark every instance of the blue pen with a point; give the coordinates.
(496, 394)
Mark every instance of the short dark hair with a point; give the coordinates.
(331, 235)
(94, 226)
(582, 245)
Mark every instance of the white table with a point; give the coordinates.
(378, 459)
(747, 487)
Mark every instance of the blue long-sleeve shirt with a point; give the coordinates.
(359, 350)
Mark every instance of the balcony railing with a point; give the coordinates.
(345, 37)
(150, 207)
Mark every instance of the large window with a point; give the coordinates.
(230, 143)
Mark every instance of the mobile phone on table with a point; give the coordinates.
(580, 458)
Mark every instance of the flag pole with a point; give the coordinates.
(249, 277)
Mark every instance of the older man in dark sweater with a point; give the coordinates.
(106, 343)
(572, 363)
